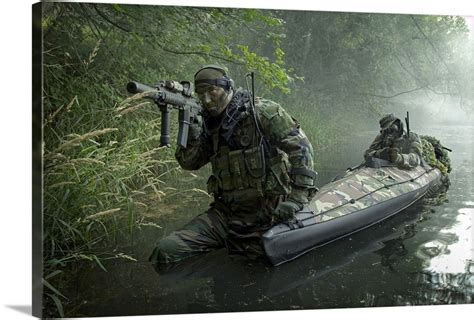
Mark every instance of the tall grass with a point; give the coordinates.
(101, 160)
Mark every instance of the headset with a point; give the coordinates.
(225, 82)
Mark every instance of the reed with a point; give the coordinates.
(102, 162)
(77, 140)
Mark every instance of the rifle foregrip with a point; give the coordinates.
(165, 129)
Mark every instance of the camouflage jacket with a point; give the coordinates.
(243, 164)
(410, 149)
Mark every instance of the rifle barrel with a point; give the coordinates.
(137, 87)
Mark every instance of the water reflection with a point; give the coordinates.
(448, 275)
(423, 255)
(241, 285)
(447, 288)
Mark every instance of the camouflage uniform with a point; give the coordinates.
(409, 149)
(251, 174)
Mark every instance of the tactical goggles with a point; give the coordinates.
(222, 82)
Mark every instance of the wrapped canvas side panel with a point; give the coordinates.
(37, 219)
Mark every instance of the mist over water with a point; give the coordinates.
(426, 112)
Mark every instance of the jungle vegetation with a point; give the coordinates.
(103, 166)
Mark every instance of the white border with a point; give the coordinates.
(15, 281)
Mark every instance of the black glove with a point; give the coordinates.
(195, 128)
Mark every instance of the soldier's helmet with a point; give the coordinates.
(212, 74)
(391, 124)
(387, 121)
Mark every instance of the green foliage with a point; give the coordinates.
(254, 14)
(272, 75)
(102, 161)
(442, 162)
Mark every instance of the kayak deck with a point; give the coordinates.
(359, 199)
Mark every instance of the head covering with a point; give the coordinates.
(389, 124)
(212, 74)
(387, 120)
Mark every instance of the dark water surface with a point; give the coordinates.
(422, 256)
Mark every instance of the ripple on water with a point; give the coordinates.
(453, 284)
(431, 249)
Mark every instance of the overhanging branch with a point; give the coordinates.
(162, 47)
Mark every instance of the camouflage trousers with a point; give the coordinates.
(235, 226)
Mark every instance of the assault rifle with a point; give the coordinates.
(169, 95)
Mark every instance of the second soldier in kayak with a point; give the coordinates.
(396, 145)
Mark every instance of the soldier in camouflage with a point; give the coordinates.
(394, 144)
(262, 170)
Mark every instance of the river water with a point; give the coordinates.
(422, 256)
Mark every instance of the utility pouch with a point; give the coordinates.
(278, 179)
(254, 162)
(226, 180)
(220, 169)
(237, 169)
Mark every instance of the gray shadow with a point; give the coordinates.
(22, 309)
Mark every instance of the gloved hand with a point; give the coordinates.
(287, 209)
(195, 128)
(394, 155)
(383, 153)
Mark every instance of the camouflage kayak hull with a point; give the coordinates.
(358, 200)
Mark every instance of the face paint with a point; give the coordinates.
(214, 99)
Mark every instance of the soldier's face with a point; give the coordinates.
(393, 130)
(213, 98)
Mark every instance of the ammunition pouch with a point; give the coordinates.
(245, 172)
(236, 170)
(278, 178)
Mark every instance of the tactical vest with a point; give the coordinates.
(243, 166)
